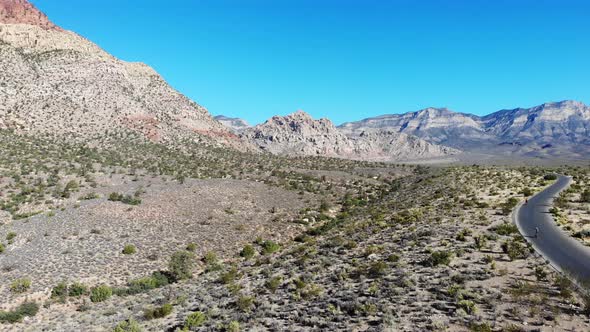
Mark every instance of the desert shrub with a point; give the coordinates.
(77, 289)
(10, 317)
(245, 303)
(129, 249)
(505, 229)
(130, 200)
(27, 309)
(480, 327)
(136, 286)
(468, 306)
(129, 325)
(509, 205)
(181, 265)
(158, 312)
(230, 276)
(233, 326)
(274, 283)
(192, 247)
(480, 242)
(377, 269)
(61, 290)
(269, 247)
(248, 252)
(393, 258)
(195, 320)
(550, 177)
(462, 235)
(515, 250)
(526, 192)
(585, 197)
(210, 258)
(115, 197)
(90, 196)
(10, 236)
(100, 293)
(439, 258)
(2, 248)
(126, 199)
(20, 285)
(540, 273)
(564, 285)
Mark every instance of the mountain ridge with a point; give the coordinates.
(299, 134)
(553, 123)
(58, 82)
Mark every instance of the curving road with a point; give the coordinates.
(561, 250)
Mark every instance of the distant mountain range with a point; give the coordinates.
(235, 124)
(551, 129)
(558, 129)
(55, 82)
(299, 134)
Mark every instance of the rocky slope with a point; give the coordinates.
(23, 12)
(555, 129)
(235, 124)
(299, 134)
(56, 82)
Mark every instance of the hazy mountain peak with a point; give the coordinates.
(235, 124)
(23, 12)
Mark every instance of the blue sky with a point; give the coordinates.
(345, 59)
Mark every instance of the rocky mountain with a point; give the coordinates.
(56, 82)
(235, 124)
(438, 125)
(299, 134)
(566, 121)
(548, 129)
(23, 12)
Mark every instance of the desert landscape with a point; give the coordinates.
(125, 206)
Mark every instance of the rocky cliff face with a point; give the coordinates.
(55, 82)
(235, 124)
(438, 125)
(23, 12)
(551, 128)
(298, 134)
(566, 121)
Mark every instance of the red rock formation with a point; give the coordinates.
(23, 12)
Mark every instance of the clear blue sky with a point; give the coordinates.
(344, 59)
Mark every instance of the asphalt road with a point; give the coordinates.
(564, 252)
